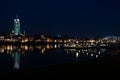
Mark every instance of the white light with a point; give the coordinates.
(55, 40)
(74, 45)
(87, 53)
(43, 50)
(77, 54)
(55, 46)
(99, 52)
(96, 56)
(77, 42)
(91, 54)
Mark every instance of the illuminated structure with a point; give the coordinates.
(16, 30)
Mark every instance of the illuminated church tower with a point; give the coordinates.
(16, 26)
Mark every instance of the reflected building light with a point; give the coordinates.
(77, 54)
(24, 40)
(7, 52)
(83, 52)
(43, 50)
(14, 47)
(23, 52)
(55, 46)
(58, 46)
(96, 56)
(99, 52)
(10, 52)
(19, 50)
(87, 53)
(31, 48)
(48, 46)
(9, 47)
(38, 47)
(22, 47)
(67, 52)
(91, 54)
(51, 46)
(26, 47)
(2, 50)
(86, 50)
(5, 47)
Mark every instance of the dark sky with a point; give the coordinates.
(72, 17)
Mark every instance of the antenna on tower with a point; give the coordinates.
(16, 16)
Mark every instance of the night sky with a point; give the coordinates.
(72, 17)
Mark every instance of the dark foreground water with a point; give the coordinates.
(26, 57)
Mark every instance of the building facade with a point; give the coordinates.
(16, 26)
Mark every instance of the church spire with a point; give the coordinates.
(16, 16)
(16, 25)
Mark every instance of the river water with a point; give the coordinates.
(23, 57)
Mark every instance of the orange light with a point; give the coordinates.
(48, 40)
(48, 46)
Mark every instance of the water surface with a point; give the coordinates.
(22, 57)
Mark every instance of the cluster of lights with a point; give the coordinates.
(25, 48)
(88, 52)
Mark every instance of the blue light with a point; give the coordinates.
(16, 26)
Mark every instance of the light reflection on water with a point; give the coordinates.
(40, 55)
(16, 57)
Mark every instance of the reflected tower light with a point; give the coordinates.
(16, 57)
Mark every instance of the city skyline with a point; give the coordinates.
(75, 18)
(55, 38)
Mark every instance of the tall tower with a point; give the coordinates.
(16, 26)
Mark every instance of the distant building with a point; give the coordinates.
(16, 30)
(112, 39)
